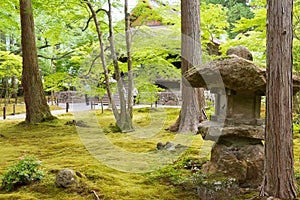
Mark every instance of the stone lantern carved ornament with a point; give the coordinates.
(238, 85)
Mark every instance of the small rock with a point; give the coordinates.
(240, 51)
(170, 146)
(171, 103)
(225, 189)
(65, 178)
(180, 146)
(73, 122)
(160, 146)
(81, 123)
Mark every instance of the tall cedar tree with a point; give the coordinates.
(279, 161)
(192, 99)
(37, 109)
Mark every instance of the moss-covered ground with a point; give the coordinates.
(60, 144)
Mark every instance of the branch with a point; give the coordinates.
(93, 63)
(95, 194)
(44, 46)
(41, 47)
(17, 51)
(91, 17)
(58, 58)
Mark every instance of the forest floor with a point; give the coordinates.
(115, 165)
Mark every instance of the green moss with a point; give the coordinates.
(59, 146)
(222, 57)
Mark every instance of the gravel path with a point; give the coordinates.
(76, 107)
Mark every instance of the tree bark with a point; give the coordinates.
(129, 59)
(37, 109)
(125, 120)
(102, 56)
(279, 161)
(13, 87)
(7, 91)
(190, 114)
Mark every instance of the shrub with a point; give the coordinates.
(22, 173)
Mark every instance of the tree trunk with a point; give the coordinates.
(190, 114)
(13, 87)
(37, 109)
(129, 59)
(279, 161)
(102, 56)
(125, 120)
(7, 92)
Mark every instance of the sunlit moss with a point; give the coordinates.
(59, 146)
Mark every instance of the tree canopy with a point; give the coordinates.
(67, 42)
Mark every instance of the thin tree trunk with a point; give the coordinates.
(53, 66)
(37, 109)
(129, 59)
(13, 87)
(102, 56)
(7, 92)
(190, 114)
(125, 120)
(279, 161)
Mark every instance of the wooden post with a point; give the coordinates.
(67, 106)
(4, 112)
(14, 109)
(92, 105)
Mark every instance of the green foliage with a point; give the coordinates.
(56, 82)
(10, 64)
(9, 19)
(154, 53)
(144, 13)
(149, 93)
(252, 33)
(10, 69)
(213, 21)
(237, 9)
(22, 173)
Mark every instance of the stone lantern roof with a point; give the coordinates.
(237, 74)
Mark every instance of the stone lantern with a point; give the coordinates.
(238, 85)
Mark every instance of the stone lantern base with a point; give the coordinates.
(238, 153)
